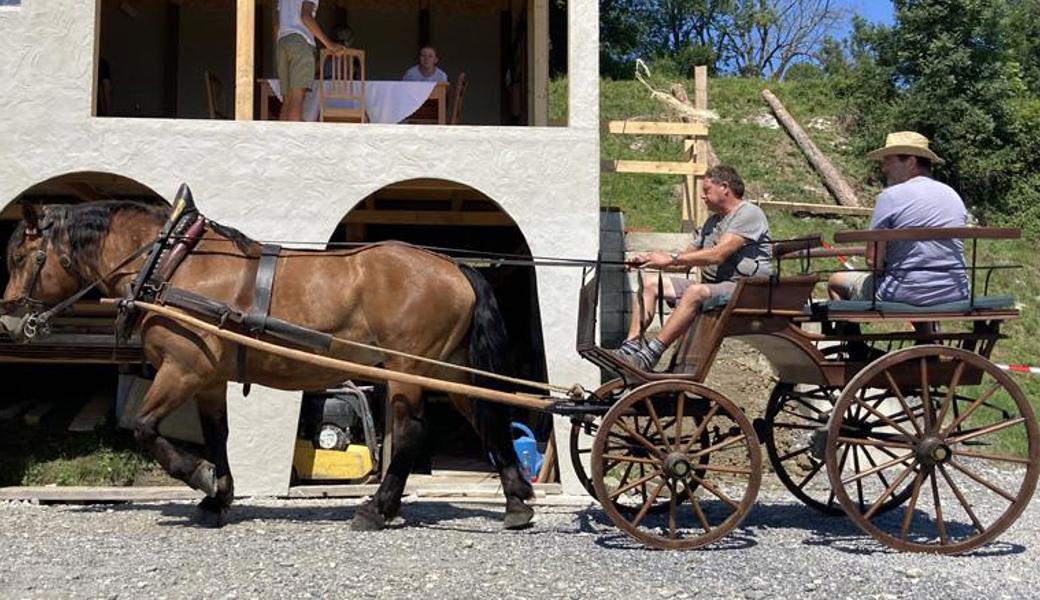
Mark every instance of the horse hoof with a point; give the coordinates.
(208, 517)
(367, 519)
(204, 479)
(518, 515)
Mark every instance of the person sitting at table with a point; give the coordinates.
(427, 69)
(296, 30)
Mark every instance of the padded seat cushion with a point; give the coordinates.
(961, 306)
(715, 302)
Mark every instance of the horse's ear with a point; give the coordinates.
(184, 196)
(31, 214)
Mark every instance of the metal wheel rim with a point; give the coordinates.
(935, 475)
(747, 440)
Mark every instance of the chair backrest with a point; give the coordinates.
(341, 86)
(456, 103)
(215, 96)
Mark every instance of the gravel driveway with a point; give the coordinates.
(278, 548)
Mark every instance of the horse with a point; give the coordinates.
(393, 296)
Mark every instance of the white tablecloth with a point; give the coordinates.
(385, 101)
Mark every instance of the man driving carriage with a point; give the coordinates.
(733, 243)
(922, 272)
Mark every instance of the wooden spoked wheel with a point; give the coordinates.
(795, 439)
(952, 425)
(651, 445)
(582, 430)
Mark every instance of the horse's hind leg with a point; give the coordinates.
(171, 388)
(409, 428)
(492, 424)
(212, 510)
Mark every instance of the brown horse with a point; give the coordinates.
(393, 296)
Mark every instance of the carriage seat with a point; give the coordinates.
(824, 307)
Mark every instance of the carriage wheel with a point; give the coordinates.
(957, 428)
(795, 436)
(651, 445)
(581, 442)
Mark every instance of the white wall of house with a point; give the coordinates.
(284, 181)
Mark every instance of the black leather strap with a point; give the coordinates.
(256, 320)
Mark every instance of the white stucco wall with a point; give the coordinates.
(297, 180)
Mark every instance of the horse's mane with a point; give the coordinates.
(86, 225)
(241, 240)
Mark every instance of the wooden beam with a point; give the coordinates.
(816, 209)
(428, 217)
(700, 95)
(652, 166)
(658, 128)
(244, 58)
(538, 61)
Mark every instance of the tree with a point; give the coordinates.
(762, 37)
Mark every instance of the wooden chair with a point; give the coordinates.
(456, 103)
(341, 98)
(215, 96)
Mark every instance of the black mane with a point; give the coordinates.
(241, 240)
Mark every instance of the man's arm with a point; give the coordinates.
(693, 256)
(307, 18)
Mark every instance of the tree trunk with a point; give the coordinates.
(832, 179)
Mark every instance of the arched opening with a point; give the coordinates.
(66, 395)
(453, 217)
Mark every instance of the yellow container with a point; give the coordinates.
(312, 463)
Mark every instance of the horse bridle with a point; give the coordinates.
(50, 223)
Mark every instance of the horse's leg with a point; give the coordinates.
(406, 410)
(172, 387)
(212, 510)
(492, 424)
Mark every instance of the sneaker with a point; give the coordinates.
(636, 360)
(630, 347)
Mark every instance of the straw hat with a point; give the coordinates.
(907, 143)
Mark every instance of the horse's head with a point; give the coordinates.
(41, 273)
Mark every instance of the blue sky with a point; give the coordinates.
(877, 11)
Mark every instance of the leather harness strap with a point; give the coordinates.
(256, 320)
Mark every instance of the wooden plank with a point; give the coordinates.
(819, 209)
(700, 95)
(652, 167)
(244, 59)
(426, 489)
(38, 411)
(658, 128)
(93, 414)
(927, 233)
(98, 494)
(538, 58)
(428, 217)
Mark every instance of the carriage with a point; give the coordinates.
(910, 434)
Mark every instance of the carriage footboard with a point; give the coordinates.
(271, 326)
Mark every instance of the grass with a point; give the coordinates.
(773, 168)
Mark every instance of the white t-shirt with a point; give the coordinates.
(414, 74)
(289, 19)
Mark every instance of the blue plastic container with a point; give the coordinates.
(526, 450)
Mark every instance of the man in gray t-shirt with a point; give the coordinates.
(925, 272)
(733, 243)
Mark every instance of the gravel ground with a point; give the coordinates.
(276, 548)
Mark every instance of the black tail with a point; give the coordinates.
(488, 339)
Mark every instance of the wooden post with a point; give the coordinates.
(700, 101)
(538, 62)
(245, 28)
(832, 179)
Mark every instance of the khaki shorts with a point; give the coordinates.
(855, 285)
(294, 59)
(681, 284)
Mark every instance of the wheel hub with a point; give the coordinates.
(932, 451)
(677, 466)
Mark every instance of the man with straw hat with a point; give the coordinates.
(922, 273)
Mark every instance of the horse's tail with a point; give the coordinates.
(488, 339)
(489, 351)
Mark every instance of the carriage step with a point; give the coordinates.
(761, 428)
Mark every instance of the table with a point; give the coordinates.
(385, 101)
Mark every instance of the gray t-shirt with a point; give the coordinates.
(922, 272)
(749, 222)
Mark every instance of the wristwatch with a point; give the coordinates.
(675, 257)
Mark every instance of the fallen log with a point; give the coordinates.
(832, 179)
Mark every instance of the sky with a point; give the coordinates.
(875, 11)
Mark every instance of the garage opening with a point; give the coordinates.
(66, 395)
(453, 218)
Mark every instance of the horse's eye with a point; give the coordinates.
(19, 260)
